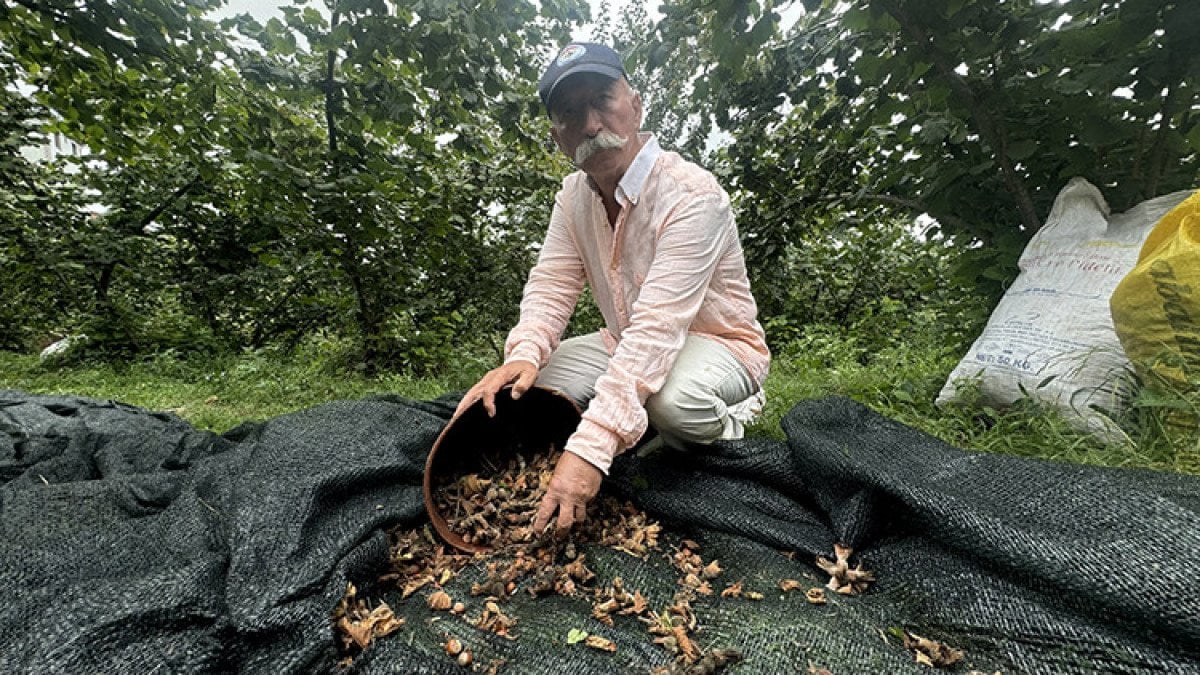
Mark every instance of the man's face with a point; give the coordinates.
(588, 112)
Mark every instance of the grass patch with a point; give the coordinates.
(900, 382)
(216, 393)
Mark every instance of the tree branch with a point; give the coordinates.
(330, 88)
(158, 210)
(912, 205)
(74, 21)
(1157, 161)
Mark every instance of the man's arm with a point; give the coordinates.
(551, 292)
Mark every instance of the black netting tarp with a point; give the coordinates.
(131, 542)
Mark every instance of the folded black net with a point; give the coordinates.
(132, 542)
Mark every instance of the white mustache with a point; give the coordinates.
(605, 140)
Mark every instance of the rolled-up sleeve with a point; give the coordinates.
(553, 288)
(689, 246)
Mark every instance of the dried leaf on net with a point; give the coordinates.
(493, 587)
(602, 611)
(842, 578)
(628, 529)
(418, 560)
(637, 604)
(359, 625)
(696, 573)
(930, 652)
(787, 585)
(673, 626)
(578, 571)
(687, 649)
(693, 582)
(686, 560)
(733, 590)
(601, 643)
(711, 571)
(815, 596)
(615, 599)
(495, 510)
(496, 621)
(681, 612)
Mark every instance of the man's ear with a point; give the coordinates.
(637, 106)
(557, 139)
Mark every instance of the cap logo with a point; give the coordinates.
(570, 53)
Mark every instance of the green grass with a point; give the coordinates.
(903, 381)
(900, 382)
(214, 393)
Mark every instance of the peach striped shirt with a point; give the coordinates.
(671, 265)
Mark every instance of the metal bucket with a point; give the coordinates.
(540, 418)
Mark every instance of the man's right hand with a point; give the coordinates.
(520, 374)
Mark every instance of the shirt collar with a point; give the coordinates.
(635, 176)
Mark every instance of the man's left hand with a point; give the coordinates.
(574, 484)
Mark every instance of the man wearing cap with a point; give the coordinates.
(655, 238)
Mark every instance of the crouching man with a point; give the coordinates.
(654, 236)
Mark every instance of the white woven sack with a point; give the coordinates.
(1051, 337)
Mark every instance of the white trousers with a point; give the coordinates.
(708, 395)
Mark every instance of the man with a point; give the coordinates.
(655, 238)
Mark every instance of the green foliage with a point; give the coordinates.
(125, 78)
(871, 280)
(356, 169)
(38, 215)
(973, 112)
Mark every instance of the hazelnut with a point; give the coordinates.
(440, 600)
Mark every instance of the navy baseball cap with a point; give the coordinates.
(579, 57)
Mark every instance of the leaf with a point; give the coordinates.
(762, 31)
(576, 635)
(857, 19)
(953, 7)
(1097, 132)
(787, 585)
(1193, 137)
(1022, 149)
(312, 17)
